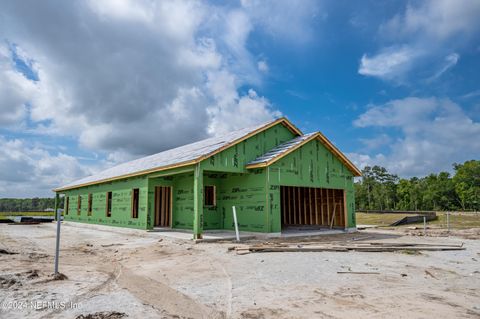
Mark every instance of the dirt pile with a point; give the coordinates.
(7, 252)
(103, 315)
(470, 233)
(16, 280)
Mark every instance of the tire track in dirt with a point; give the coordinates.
(229, 296)
(164, 298)
(112, 277)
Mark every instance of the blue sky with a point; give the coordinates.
(85, 85)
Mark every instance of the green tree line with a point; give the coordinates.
(27, 204)
(377, 189)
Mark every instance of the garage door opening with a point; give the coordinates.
(308, 206)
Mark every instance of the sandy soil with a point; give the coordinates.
(114, 273)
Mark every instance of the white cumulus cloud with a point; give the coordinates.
(419, 37)
(129, 78)
(435, 133)
(391, 64)
(30, 170)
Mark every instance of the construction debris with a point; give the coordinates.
(31, 220)
(111, 245)
(430, 274)
(103, 315)
(7, 252)
(359, 272)
(59, 276)
(418, 218)
(361, 238)
(361, 247)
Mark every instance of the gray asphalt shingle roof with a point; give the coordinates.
(183, 154)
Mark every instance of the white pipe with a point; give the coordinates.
(236, 223)
(57, 241)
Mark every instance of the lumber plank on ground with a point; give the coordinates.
(359, 272)
(388, 249)
(340, 248)
(414, 244)
(296, 249)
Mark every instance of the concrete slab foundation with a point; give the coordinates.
(226, 235)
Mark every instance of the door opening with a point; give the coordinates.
(301, 206)
(163, 206)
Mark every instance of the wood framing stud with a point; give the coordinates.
(312, 206)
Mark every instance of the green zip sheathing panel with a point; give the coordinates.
(311, 165)
(249, 199)
(234, 158)
(212, 215)
(254, 192)
(244, 191)
(182, 201)
(121, 203)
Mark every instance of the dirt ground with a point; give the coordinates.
(119, 273)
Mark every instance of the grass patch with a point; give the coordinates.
(378, 219)
(458, 220)
(6, 215)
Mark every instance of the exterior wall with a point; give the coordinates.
(247, 193)
(255, 192)
(236, 157)
(121, 203)
(312, 165)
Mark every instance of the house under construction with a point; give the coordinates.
(273, 174)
